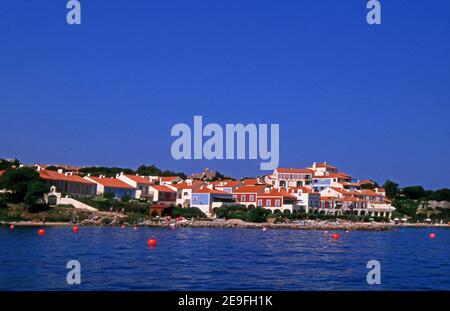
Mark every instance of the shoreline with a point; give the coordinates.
(236, 224)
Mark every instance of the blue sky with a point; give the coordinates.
(372, 100)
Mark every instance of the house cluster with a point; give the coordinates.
(320, 188)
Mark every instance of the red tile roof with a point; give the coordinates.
(277, 193)
(294, 170)
(208, 190)
(333, 175)
(226, 184)
(185, 185)
(302, 189)
(168, 178)
(162, 188)
(249, 189)
(250, 181)
(369, 192)
(52, 175)
(1, 173)
(111, 182)
(138, 179)
(325, 165)
(341, 190)
(366, 181)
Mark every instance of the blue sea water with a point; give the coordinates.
(114, 258)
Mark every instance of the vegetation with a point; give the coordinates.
(8, 164)
(104, 204)
(60, 213)
(152, 170)
(217, 176)
(413, 202)
(238, 211)
(391, 188)
(25, 186)
(191, 212)
(106, 171)
(3, 203)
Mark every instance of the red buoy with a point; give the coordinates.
(75, 229)
(41, 232)
(152, 242)
(11, 227)
(432, 235)
(335, 236)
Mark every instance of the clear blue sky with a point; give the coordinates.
(372, 100)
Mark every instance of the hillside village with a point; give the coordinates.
(316, 189)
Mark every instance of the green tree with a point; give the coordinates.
(440, 195)
(391, 188)
(191, 212)
(153, 170)
(35, 193)
(414, 192)
(18, 182)
(8, 164)
(126, 198)
(257, 214)
(109, 195)
(3, 203)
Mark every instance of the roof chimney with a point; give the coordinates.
(60, 171)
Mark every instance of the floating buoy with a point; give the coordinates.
(325, 232)
(75, 229)
(264, 228)
(123, 226)
(335, 236)
(134, 228)
(347, 231)
(152, 242)
(432, 235)
(41, 232)
(11, 227)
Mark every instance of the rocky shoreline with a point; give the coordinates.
(239, 224)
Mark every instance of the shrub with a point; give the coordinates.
(135, 218)
(3, 204)
(126, 198)
(107, 204)
(227, 211)
(190, 212)
(257, 214)
(109, 195)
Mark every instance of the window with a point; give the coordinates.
(252, 198)
(259, 202)
(277, 203)
(242, 198)
(268, 203)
